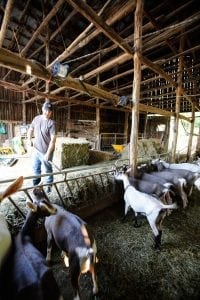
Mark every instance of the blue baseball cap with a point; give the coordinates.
(47, 106)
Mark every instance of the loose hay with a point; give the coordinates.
(129, 267)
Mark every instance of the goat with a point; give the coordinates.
(26, 274)
(141, 174)
(145, 204)
(5, 236)
(76, 242)
(190, 177)
(185, 166)
(178, 183)
(153, 188)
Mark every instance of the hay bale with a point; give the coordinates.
(96, 156)
(71, 152)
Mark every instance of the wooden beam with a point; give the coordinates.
(85, 10)
(54, 34)
(6, 20)
(117, 60)
(42, 26)
(83, 38)
(15, 62)
(89, 13)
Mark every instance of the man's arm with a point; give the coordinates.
(51, 147)
(29, 136)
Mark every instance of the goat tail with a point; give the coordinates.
(170, 206)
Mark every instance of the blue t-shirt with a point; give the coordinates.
(43, 129)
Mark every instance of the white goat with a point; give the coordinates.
(184, 166)
(145, 204)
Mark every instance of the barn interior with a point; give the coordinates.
(123, 78)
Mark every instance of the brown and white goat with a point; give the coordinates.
(25, 275)
(72, 236)
(5, 236)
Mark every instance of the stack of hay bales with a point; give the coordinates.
(147, 149)
(71, 152)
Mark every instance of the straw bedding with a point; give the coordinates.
(129, 267)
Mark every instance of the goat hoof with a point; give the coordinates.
(123, 220)
(157, 248)
(136, 225)
(48, 262)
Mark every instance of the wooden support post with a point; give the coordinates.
(126, 126)
(145, 124)
(178, 101)
(23, 109)
(136, 84)
(191, 133)
(68, 125)
(97, 146)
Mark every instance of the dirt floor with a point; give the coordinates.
(129, 267)
(22, 167)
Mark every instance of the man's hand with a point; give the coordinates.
(29, 146)
(46, 156)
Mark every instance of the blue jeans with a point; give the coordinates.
(38, 163)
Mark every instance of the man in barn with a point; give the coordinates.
(44, 130)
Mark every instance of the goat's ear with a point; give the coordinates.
(128, 170)
(31, 205)
(12, 188)
(113, 170)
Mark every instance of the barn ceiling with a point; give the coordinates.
(96, 40)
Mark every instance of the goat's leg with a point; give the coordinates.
(92, 268)
(182, 194)
(94, 278)
(152, 222)
(127, 207)
(49, 246)
(158, 240)
(75, 273)
(159, 222)
(136, 225)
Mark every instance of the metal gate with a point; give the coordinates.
(75, 189)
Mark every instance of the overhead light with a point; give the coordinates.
(123, 100)
(60, 70)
